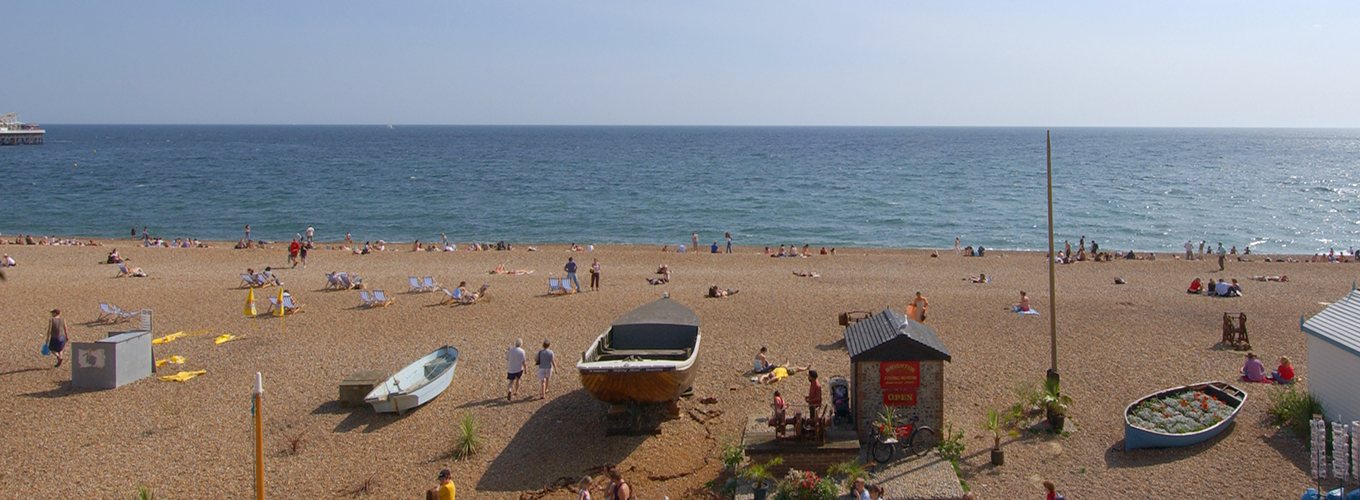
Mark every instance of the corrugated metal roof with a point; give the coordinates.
(1339, 323)
(912, 339)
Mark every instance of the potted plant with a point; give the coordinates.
(994, 423)
(760, 476)
(1055, 404)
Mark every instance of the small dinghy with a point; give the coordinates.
(1181, 416)
(416, 384)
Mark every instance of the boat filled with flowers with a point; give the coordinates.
(1181, 416)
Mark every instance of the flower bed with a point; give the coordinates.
(1183, 413)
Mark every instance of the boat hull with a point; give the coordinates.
(622, 385)
(1138, 438)
(389, 397)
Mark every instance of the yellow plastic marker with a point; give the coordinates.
(224, 338)
(168, 338)
(183, 376)
(250, 304)
(278, 310)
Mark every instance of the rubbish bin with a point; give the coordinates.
(120, 359)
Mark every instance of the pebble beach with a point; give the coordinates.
(194, 439)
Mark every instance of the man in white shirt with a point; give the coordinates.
(1189, 250)
(515, 364)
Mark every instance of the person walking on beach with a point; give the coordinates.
(1222, 256)
(728, 236)
(584, 487)
(515, 364)
(294, 249)
(311, 233)
(918, 308)
(547, 362)
(247, 232)
(1201, 249)
(595, 275)
(618, 488)
(958, 240)
(1189, 251)
(302, 254)
(694, 241)
(570, 268)
(56, 335)
(446, 489)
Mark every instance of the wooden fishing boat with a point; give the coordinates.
(416, 384)
(649, 355)
(1136, 437)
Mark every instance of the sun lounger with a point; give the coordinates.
(450, 296)
(247, 281)
(289, 306)
(555, 286)
(566, 286)
(416, 287)
(333, 281)
(429, 284)
(365, 298)
(106, 313)
(380, 298)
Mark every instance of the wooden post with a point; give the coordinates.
(259, 436)
(1052, 287)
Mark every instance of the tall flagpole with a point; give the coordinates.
(1052, 287)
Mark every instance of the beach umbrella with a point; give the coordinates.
(250, 304)
(278, 309)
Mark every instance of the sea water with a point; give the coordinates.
(1278, 190)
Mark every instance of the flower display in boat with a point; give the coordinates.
(1182, 413)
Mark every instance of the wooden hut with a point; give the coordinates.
(1334, 357)
(895, 362)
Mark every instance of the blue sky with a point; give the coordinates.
(1156, 63)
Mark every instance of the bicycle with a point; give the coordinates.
(914, 440)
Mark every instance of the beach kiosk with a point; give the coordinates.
(120, 359)
(1334, 357)
(895, 362)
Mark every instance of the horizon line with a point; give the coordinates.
(691, 125)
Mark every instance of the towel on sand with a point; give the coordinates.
(1031, 312)
(183, 376)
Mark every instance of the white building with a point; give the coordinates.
(1334, 357)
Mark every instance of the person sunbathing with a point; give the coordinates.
(1023, 305)
(806, 274)
(718, 293)
(980, 278)
(762, 363)
(134, 272)
(665, 272)
(114, 258)
(781, 372)
(1281, 278)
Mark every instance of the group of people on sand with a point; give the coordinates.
(1211, 288)
(1255, 371)
(517, 362)
(793, 251)
(27, 239)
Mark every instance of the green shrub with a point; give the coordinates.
(1293, 409)
(1028, 395)
(468, 442)
(847, 472)
(951, 445)
(144, 492)
(732, 456)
